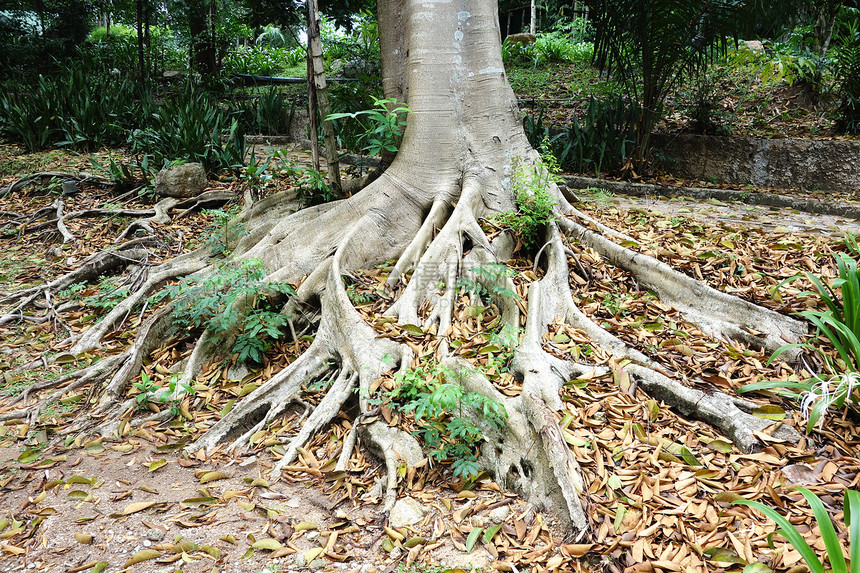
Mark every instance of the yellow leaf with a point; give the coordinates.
(138, 506)
(213, 476)
(312, 554)
(83, 538)
(143, 555)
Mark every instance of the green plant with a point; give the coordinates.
(848, 74)
(151, 393)
(236, 299)
(313, 187)
(223, 228)
(535, 204)
(833, 546)
(840, 325)
(445, 412)
(380, 127)
(490, 273)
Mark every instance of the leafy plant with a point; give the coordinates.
(313, 187)
(601, 140)
(444, 413)
(848, 73)
(840, 325)
(490, 273)
(535, 204)
(234, 299)
(832, 545)
(223, 228)
(380, 127)
(151, 393)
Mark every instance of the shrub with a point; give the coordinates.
(535, 204)
(840, 325)
(446, 415)
(234, 298)
(601, 141)
(848, 74)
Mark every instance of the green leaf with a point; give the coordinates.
(790, 533)
(472, 539)
(828, 532)
(491, 533)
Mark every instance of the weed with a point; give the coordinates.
(313, 187)
(380, 127)
(223, 228)
(840, 325)
(151, 393)
(535, 204)
(832, 544)
(445, 412)
(489, 273)
(228, 301)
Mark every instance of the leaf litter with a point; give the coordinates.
(659, 487)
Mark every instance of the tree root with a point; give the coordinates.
(716, 313)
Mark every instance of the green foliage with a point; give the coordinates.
(75, 110)
(445, 412)
(264, 60)
(832, 544)
(560, 45)
(190, 127)
(380, 128)
(150, 393)
(535, 204)
(650, 46)
(80, 110)
(235, 298)
(492, 274)
(225, 227)
(601, 141)
(313, 187)
(840, 325)
(848, 75)
(270, 113)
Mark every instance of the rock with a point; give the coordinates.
(396, 553)
(154, 535)
(181, 181)
(753, 45)
(317, 564)
(524, 39)
(237, 372)
(301, 561)
(313, 535)
(406, 511)
(499, 515)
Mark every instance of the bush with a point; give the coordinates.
(601, 141)
(840, 325)
(848, 74)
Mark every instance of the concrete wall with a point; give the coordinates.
(780, 163)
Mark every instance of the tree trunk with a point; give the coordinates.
(203, 52)
(462, 151)
(318, 100)
(141, 59)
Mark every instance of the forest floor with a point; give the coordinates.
(660, 486)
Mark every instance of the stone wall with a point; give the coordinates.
(780, 163)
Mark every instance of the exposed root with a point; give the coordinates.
(79, 177)
(396, 448)
(717, 313)
(181, 266)
(325, 411)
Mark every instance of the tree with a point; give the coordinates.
(462, 156)
(650, 45)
